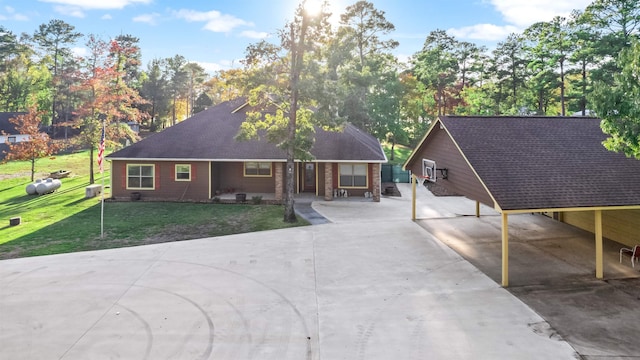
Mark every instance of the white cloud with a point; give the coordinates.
(13, 15)
(254, 34)
(522, 13)
(211, 68)
(80, 51)
(69, 11)
(150, 19)
(106, 17)
(214, 20)
(485, 32)
(517, 16)
(97, 4)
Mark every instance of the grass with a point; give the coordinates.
(400, 153)
(66, 221)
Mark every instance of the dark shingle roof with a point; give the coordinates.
(545, 162)
(210, 135)
(5, 125)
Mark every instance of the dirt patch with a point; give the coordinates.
(439, 190)
(390, 189)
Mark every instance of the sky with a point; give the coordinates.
(216, 33)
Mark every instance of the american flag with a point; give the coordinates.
(101, 152)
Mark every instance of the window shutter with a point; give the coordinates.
(172, 172)
(124, 176)
(157, 176)
(193, 171)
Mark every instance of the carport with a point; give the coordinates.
(551, 165)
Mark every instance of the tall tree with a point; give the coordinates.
(543, 80)
(178, 83)
(618, 21)
(364, 50)
(286, 79)
(196, 76)
(583, 60)
(106, 100)
(126, 56)
(436, 66)
(55, 39)
(618, 105)
(510, 69)
(154, 90)
(37, 146)
(8, 45)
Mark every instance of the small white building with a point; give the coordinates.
(8, 132)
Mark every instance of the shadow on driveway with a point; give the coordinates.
(552, 269)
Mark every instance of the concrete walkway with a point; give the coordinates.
(371, 284)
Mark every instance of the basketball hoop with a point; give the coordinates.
(422, 178)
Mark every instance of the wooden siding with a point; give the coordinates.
(618, 225)
(166, 187)
(351, 191)
(461, 179)
(232, 177)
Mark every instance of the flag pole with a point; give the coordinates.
(101, 161)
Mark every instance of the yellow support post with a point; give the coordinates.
(505, 250)
(413, 196)
(477, 209)
(598, 233)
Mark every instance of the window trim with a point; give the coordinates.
(175, 177)
(153, 177)
(244, 169)
(12, 139)
(366, 186)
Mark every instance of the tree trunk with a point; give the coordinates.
(91, 178)
(33, 167)
(393, 146)
(562, 88)
(289, 211)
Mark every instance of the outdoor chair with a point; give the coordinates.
(635, 253)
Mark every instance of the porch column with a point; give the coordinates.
(598, 233)
(376, 182)
(328, 181)
(505, 250)
(414, 179)
(477, 209)
(279, 181)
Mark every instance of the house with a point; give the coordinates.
(552, 165)
(8, 132)
(199, 159)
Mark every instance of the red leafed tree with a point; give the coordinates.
(37, 146)
(107, 100)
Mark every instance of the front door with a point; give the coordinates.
(309, 177)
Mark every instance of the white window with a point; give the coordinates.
(140, 177)
(12, 139)
(353, 175)
(183, 172)
(254, 168)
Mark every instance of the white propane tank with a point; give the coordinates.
(31, 188)
(48, 186)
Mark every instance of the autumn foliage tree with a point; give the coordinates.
(107, 100)
(37, 146)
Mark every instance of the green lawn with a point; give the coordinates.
(400, 153)
(66, 222)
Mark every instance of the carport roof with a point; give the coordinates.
(531, 163)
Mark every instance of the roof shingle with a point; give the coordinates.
(210, 135)
(546, 162)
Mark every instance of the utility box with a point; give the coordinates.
(93, 191)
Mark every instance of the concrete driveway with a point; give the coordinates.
(372, 284)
